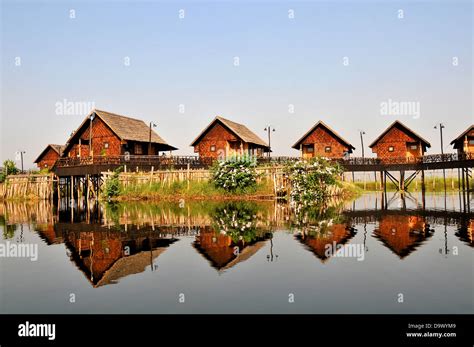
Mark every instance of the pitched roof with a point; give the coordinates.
(324, 125)
(462, 135)
(403, 127)
(57, 148)
(239, 130)
(126, 128)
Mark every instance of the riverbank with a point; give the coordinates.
(206, 190)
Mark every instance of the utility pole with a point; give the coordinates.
(90, 134)
(149, 143)
(362, 141)
(21, 157)
(269, 130)
(441, 127)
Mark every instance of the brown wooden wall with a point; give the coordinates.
(48, 159)
(399, 140)
(101, 134)
(321, 138)
(463, 144)
(217, 136)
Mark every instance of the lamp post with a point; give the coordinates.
(149, 143)
(269, 130)
(441, 127)
(91, 153)
(361, 132)
(21, 158)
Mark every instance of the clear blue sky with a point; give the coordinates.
(189, 61)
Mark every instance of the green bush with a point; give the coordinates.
(112, 185)
(310, 180)
(235, 174)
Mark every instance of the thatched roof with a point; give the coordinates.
(126, 128)
(57, 148)
(403, 128)
(239, 130)
(328, 129)
(460, 137)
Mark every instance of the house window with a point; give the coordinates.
(309, 148)
(413, 146)
(106, 145)
(471, 142)
(213, 148)
(391, 149)
(138, 149)
(327, 149)
(45, 165)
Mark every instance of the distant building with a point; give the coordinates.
(398, 141)
(48, 156)
(113, 135)
(464, 143)
(322, 141)
(223, 138)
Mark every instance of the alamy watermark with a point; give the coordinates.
(22, 250)
(73, 108)
(353, 250)
(400, 108)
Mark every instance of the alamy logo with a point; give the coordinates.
(400, 108)
(22, 250)
(355, 250)
(73, 108)
(37, 330)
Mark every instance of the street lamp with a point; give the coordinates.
(90, 134)
(269, 130)
(441, 127)
(21, 158)
(361, 132)
(149, 143)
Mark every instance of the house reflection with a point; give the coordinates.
(318, 240)
(402, 234)
(235, 235)
(222, 252)
(466, 232)
(106, 255)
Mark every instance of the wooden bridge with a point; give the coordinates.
(86, 172)
(98, 164)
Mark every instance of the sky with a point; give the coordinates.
(356, 65)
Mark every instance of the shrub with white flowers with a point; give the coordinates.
(237, 220)
(310, 180)
(235, 174)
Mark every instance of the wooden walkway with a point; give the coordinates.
(99, 164)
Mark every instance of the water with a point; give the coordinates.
(148, 258)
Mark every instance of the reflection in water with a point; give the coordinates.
(108, 242)
(402, 234)
(235, 235)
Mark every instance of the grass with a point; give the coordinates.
(431, 185)
(196, 190)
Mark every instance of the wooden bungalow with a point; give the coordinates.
(322, 141)
(107, 134)
(223, 138)
(464, 143)
(398, 141)
(48, 156)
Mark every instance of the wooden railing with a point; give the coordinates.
(199, 162)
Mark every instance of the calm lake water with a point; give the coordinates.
(241, 257)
